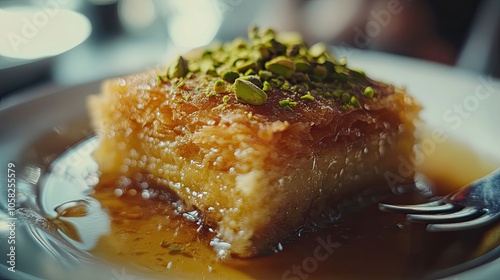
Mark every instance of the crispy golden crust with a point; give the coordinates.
(257, 173)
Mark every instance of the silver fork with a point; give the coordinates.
(475, 205)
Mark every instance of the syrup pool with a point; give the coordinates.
(132, 223)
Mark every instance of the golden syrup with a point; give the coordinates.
(145, 229)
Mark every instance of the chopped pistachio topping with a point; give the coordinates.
(318, 49)
(178, 69)
(281, 66)
(307, 97)
(265, 75)
(368, 92)
(180, 84)
(230, 76)
(219, 86)
(345, 98)
(355, 102)
(319, 73)
(248, 93)
(160, 78)
(285, 86)
(266, 86)
(253, 79)
(276, 64)
(301, 65)
(287, 103)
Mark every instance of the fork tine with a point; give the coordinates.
(472, 224)
(433, 207)
(465, 213)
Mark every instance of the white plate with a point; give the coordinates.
(34, 130)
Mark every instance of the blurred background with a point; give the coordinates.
(68, 42)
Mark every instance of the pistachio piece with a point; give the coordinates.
(265, 75)
(266, 86)
(293, 50)
(317, 50)
(276, 46)
(180, 83)
(301, 77)
(368, 92)
(307, 97)
(253, 32)
(248, 93)
(319, 73)
(341, 70)
(219, 86)
(244, 66)
(239, 43)
(253, 79)
(229, 76)
(178, 69)
(337, 93)
(285, 86)
(355, 102)
(263, 52)
(281, 65)
(358, 72)
(160, 78)
(250, 72)
(301, 65)
(287, 103)
(206, 66)
(329, 65)
(345, 98)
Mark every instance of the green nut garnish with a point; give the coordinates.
(180, 84)
(345, 98)
(248, 93)
(301, 65)
(318, 49)
(337, 93)
(250, 72)
(230, 76)
(285, 86)
(355, 102)
(245, 66)
(263, 52)
(178, 69)
(359, 72)
(265, 75)
(282, 66)
(368, 92)
(160, 78)
(219, 86)
(266, 86)
(253, 79)
(319, 73)
(307, 97)
(270, 63)
(287, 103)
